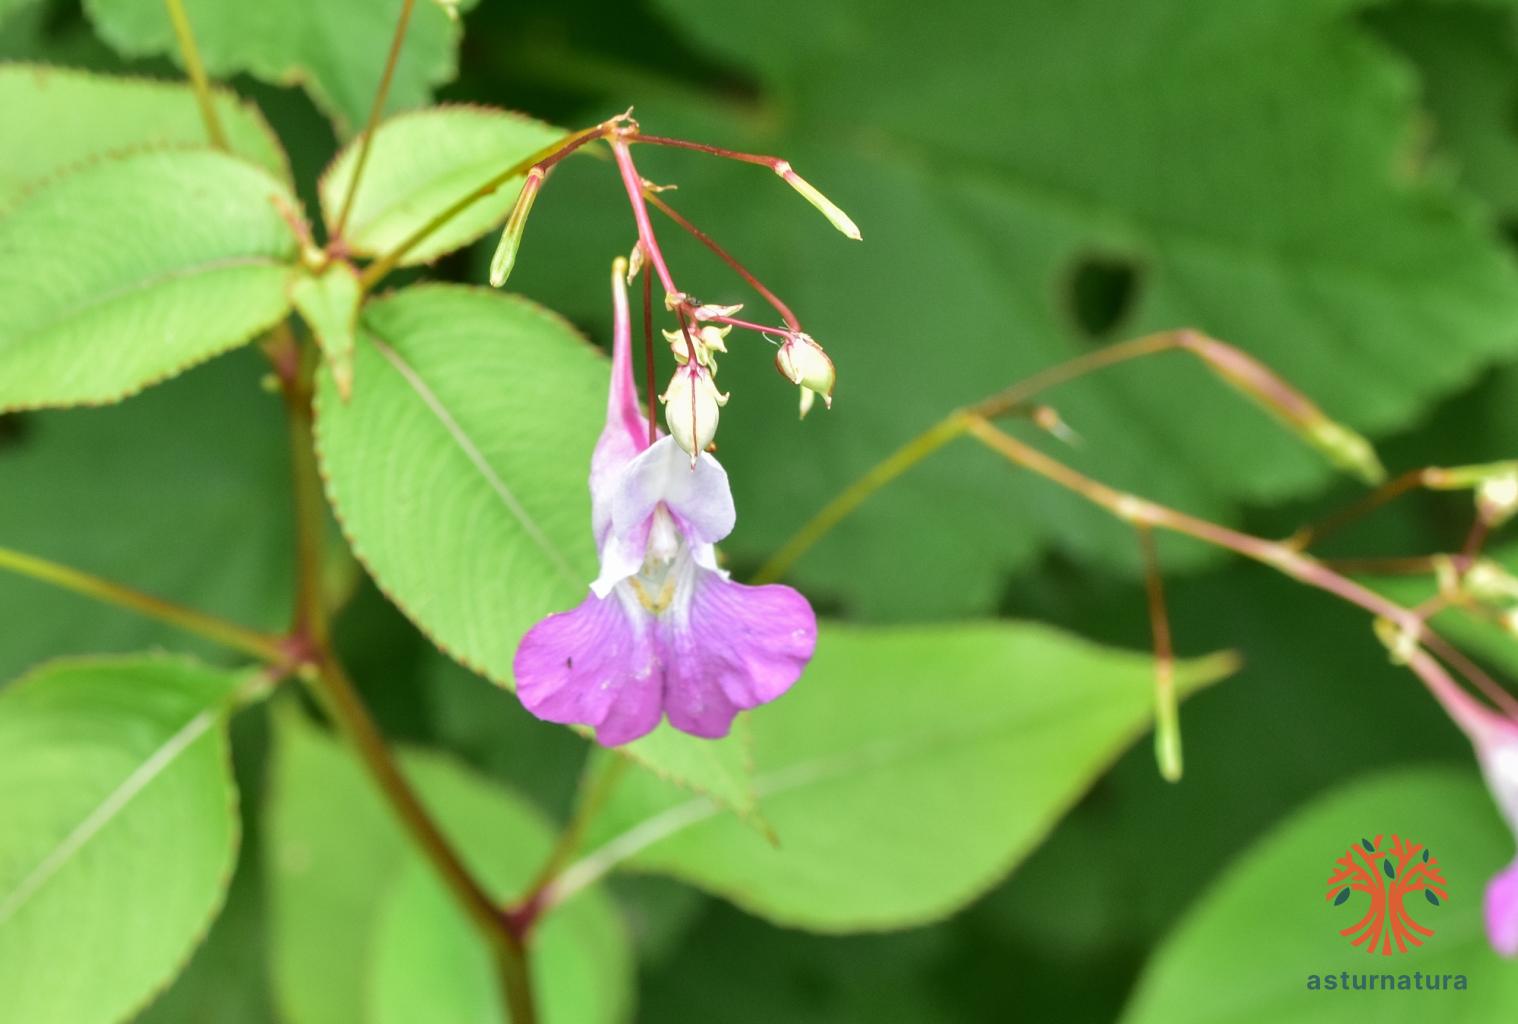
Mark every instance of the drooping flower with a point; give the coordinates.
(663, 632)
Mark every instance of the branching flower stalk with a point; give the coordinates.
(1496, 486)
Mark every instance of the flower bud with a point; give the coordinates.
(824, 205)
(505, 257)
(707, 310)
(707, 340)
(691, 408)
(802, 361)
(1497, 498)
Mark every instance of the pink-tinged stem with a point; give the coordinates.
(840, 220)
(1301, 567)
(648, 358)
(747, 325)
(633, 182)
(1478, 724)
(722, 254)
(772, 162)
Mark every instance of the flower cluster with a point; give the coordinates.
(692, 400)
(663, 632)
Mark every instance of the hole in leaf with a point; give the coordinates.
(13, 429)
(1343, 895)
(1102, 291)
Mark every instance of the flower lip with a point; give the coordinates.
(698, 501)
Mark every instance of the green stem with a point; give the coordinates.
(842, 506)
(342, 701)
(341, 698)
(197, 72)
(375, 271)
(376, 111)
(595, 788)
(238, 638)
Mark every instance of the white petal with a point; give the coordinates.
(699, 496)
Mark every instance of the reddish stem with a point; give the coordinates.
(633, 182)
(726, 257)
(648, 357)
(701, 147)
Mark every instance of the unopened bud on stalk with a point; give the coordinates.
(505, 257)
(1346, 449)
(692, 405)
(1343, 447)
(1048, 419)
(705, 341)
(634, 261)
(835, 216)
(802, 361)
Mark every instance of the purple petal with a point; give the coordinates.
(1502, 911)
(699, 496)
(595, 665)
(739, 647)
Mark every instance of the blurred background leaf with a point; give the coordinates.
(362, 931)
(1245, 952)
(180, 492)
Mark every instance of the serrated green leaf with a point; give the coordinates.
(120, 831)
(906, 772)
(363, 931)
(459, 474)
(1275, 892)
(129, 271)
(335, 49)
(329, 303)
(420, 165)
(57, 118)
(1251, 167)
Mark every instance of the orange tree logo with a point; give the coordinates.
(1387, 875)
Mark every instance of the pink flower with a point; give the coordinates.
(663, 631)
